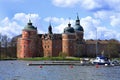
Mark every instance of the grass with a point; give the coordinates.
(8, 59)
(50, 58)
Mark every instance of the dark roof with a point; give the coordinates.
(69, 29)
(77, 26)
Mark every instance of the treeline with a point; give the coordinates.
(7, 47)
(113, 48)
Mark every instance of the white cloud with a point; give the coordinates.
(60, 22)
(9, 28)
(101, 5)
(94, 5)
(54, 19)
(103, 15)
(115, 21)
(90, 4)
(22, 17)
(114, 4)
(14, 26)
(90, 26)
(65, 3)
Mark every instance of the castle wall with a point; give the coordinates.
(47, 47)
(18, 48)
(28, 44)
(80, 50)
(68, 44)
(101, 48)
(57, 47)
(40, 48)
(79, 35)
(52, 45)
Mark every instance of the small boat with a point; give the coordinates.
(101, 60)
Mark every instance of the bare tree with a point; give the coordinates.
(0, 45)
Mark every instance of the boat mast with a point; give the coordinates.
(96, 43)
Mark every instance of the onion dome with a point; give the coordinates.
(77, 26)
(29, 26)
(69, 29)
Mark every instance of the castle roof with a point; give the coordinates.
(69, 29)
(77, 26)
(29, 26)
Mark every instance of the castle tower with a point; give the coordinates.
(68, 41)
(27, 44)
(47, 42)
(78, 30)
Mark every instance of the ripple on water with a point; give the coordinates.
(18, 70)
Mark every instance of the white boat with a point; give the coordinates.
(101, 60)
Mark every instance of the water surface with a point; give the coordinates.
(18, 70)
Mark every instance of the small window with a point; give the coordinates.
(45, 46)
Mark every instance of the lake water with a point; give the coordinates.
(18, 70)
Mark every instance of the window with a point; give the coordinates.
(45, 46)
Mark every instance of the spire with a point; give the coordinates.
(77, 20)
(69, 25)
(77, 16)
(50, 28)
(29, 22)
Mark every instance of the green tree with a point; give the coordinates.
(113, 48)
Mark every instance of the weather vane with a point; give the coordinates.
(69, 20)
(29, 17)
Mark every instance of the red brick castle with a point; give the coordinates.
(70, 42)
(32, 44)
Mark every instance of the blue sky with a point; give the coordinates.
(100, 15)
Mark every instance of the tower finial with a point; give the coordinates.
(29, 18)
(69, 20)
(77, 20)
(29, 21)
(77, 16)
(69, 25)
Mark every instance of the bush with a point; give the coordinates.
(63, 55)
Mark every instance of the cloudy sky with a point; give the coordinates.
(101, 16)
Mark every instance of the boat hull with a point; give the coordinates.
(99, 63)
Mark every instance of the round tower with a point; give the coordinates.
(68, 40)
(28, 42)
(78, 29)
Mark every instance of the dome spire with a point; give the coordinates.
(29, 21)
(77, 26)
(77, 16)
(69, 25)
(50, 28)
(77, 20)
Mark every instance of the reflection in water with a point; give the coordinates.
(18, 70)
